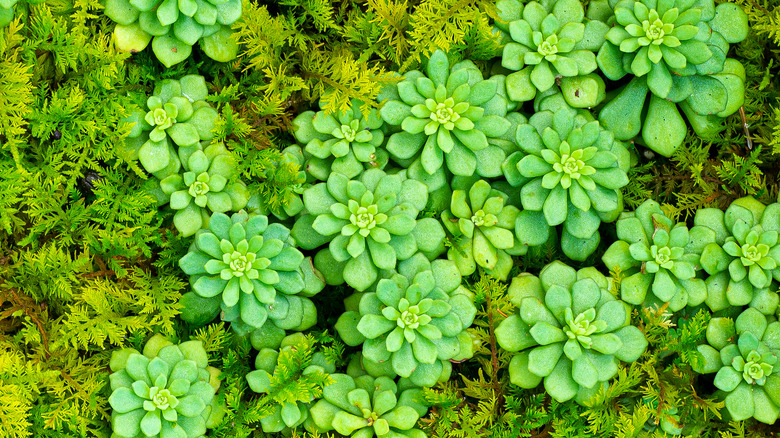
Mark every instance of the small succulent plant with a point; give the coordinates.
(287, 414)
(548, 41)
(168, 391)
(653, 255)
(364, 407)
(347, 142)
(369, 222)
(744, 354)
(571, 171)
(6, 12)
(208, 184)
(483, 227)
(569, 331)
(414, 321)
(252, 267)
(175, 115)
(740, 250)
(448, 116)
(173, 27)
(672, 49)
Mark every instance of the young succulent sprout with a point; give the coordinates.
(367, 407)
(446, 116)
(744, 353)
(548, 41)
(740, 250)
(571, 171)
(254, 269)
(347, 142)
(482, 226)
(415, 322)
(569, 331)
(285, 415)
(371, 223)
(173, 27)
(654, 256)
(166, 391)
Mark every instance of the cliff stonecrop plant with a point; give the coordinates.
(173, 27)
(571, 171)
(482, 226)
(653, 255)
(242, 264)
(569, 331)
(446, 116)
(168, 391)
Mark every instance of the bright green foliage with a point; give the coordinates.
(449, 113)
(744, 353)
(415, 320)
(739, 250)
(482, 226)
(653, 255)
(571, 171)
(166, 391)
(285, 182)
(548, 40)
(249, 269)
(173, 27)
(569, 331)
(372, 221)
(289, 400)
(366, 407)
(6, 12)
(346, 142)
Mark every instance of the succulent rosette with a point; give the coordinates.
(251, 270)
(6, 11)
(740, 250)
(547, 41)
(483, 229)
(571, 171)
(369, 224)
(676, 50)
(364, 407)
(744, 354)
(175, 115)
(168, 391)
(286, 414)
(416, 322)
(174, 26)
(209, 183)
(569, 331)
(347, 142)
(654, 257)
(447, 115)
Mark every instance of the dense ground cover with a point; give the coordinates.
(454, 218)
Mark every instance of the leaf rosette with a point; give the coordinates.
(416, 321)
(168, 391)
(364, 407)
(347, 142)
(174, 26)
(252, 271)
(547, 41)
(654, 256)
(744, 354)
(740, 250)
(447, 115)
(568, 331)
(483, 228)
(571, 171)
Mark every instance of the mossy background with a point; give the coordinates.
(88, 263)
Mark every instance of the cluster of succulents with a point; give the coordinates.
(569, 331)
(168, 391)
(173, 27)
